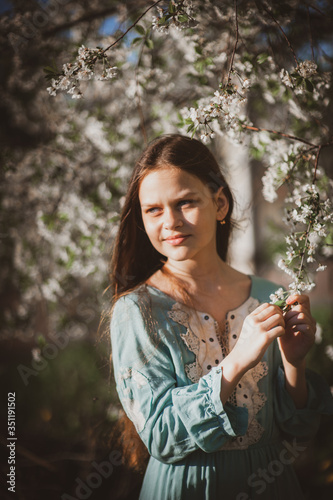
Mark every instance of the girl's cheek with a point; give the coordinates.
(151, 228)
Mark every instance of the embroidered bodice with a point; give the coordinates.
(204, 338)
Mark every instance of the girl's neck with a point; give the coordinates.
(206, 277)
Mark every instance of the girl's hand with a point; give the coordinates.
(260, 328)
(300, 331)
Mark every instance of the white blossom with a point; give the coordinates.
(307, 69)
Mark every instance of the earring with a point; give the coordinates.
(222, 222)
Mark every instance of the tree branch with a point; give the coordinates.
(310, 31)
(134, 24)
(282, 134)
(90, 16)
(235, 46)
(283, 33)
(138, 97)
(316, 164)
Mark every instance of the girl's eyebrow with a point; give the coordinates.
(179, 197)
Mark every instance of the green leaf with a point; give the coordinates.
(308, 85)
(48, 69)
(256, 153)
(280, 303)
(149, 43)
(140, 29)
(299, 80)
(41, 342)
(190, 127)
(137, 40)
(162, 20)
(172, 8)
(262, 58)
(182, 18)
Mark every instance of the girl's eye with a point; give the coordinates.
(152, 210)
(186, 202)
(181, 203)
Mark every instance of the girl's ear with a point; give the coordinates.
(222, 204)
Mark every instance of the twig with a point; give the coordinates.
(310, 31)
(134, 24)
(235, 46)
(138, 98)
(315, 8)
(283, 33)
(88, 17)
(316, 164)
(282, 134)
(303, 253)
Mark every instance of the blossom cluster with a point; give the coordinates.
(309, 220)
(81, 70)
(282, 167)
(178, 15)
(225, 108)
(302, 78)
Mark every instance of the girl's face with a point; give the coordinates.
(179, 213)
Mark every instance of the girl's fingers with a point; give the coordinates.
(259, 309)
(304, 329)
(301, 299)
(264, 311)
(273, 321)
(299, 317)
(276, 331)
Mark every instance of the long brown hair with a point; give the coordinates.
(134, 259)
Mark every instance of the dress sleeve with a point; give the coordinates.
(301, 423)
(172, 420)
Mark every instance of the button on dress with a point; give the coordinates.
(166, 358)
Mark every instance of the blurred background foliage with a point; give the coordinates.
(64, 169)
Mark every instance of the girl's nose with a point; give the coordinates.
(172, 219)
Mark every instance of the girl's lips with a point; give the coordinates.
(177, 240)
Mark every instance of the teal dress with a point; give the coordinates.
(166, 360)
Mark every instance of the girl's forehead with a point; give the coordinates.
(170, 178)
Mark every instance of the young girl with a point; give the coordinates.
(212, 376)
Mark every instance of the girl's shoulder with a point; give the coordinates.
(144, 298)
(142, 314)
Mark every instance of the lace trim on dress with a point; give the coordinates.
(193, 370)
(247, 392)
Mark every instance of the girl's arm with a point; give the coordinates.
(294, 345)
(173, 418)
(259, 330)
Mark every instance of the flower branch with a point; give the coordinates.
(282, 31)
(235, 45)
(132, 26)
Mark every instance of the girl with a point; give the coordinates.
(212, 376)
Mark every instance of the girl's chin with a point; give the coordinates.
(178, 255)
